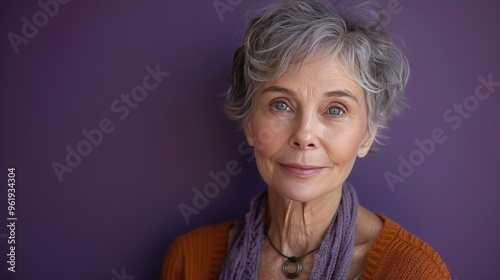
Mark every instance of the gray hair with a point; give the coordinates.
(290, 32)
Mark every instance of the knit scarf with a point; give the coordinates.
(333, 260)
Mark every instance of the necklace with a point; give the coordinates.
(293, 259)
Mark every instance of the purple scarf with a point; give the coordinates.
(333, 260)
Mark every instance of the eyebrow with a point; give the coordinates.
(333, 93)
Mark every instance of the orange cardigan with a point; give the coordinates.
(396, 254)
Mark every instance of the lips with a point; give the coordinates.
(301, 170)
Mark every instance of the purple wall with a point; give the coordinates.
(117, 211)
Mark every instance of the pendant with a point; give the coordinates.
(297, 272)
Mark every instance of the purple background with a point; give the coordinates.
(119, 207)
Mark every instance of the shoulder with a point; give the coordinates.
(201, 250)
(205, 234)
(398, 254)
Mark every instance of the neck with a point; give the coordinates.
(299, 227)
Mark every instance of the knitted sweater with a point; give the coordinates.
(396, 254)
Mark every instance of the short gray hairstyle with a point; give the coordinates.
(290, 32)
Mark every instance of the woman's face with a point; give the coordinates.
(307, 128)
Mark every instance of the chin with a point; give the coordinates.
(302, 193)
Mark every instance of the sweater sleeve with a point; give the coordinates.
(174, 262)
(398, 254)
(198, 254)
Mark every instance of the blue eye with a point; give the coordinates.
(335, 111)
(280, 106)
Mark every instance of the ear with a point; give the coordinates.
(247, 127)
(366, 143)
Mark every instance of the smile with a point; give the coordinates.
(301, 170)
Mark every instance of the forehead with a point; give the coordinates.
(319, 73)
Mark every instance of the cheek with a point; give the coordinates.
(269, 133)
(269, 140)
(342, 143)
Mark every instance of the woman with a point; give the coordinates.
(312, 91)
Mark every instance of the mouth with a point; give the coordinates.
(301, 170)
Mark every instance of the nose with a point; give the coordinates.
(305, 134)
